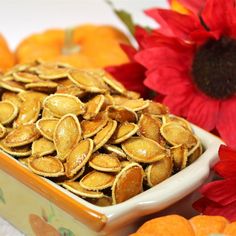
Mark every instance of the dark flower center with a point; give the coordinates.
(214, 68)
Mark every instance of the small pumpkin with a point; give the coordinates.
(175, 225)
(7, 58)
(84, 46)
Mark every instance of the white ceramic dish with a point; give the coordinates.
(122, 218)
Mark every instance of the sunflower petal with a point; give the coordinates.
(219, 14)
(167, 80)
(228, 211)
(226, 169)
(193, 5)
(152, 58)
(203, 111)
(179, 104)
(222, 192)
(180, 24)
(226, 124)
(227, 153)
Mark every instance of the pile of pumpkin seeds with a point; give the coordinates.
(83, 130)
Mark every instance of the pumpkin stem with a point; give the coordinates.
(69, 46)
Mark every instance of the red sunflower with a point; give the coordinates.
(219, 197)
(193, 5)
(191, 60)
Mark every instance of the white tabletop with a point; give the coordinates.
(21, 18)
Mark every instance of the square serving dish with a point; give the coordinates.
(35, 204)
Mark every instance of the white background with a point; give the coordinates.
(21, 18)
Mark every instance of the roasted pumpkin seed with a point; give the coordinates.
(62, 104)
(143, 150)
(105, 134)
(93, 106)
(42, 147)
(29, 112)
(8, 112)
(46, 127)
(46, 166)
(105, 162)
(128, 183)
(92, 127)
(159, 171)
(96, 180)
(123, 132)
(176, 134)
(66, 135)
(76, 188)
(22, 135)
(78, 157)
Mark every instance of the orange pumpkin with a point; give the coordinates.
(7, 58)
(88, 46)
(175, 225)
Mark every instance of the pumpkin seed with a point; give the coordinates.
(114, 84)
(16, 151)
(105, 162)
(102, 202)
(121, 114)
(22, 135)
(3, 131)
(42, 147)
(116, 150)
(104, 135)
(180, 156)
(29, 112)
(12, 97)
(178, 120)
(176, 134)
(76, 188)
(87, 81)
(28, 95)
(25, 77)
(143, 150)
(159, 171)
(128, 183)
(96, 180)
(136, 104)
(62, 104)
(8, 112)
(92, 127)
(42, 86)
(156, 108)
(93, 107)
(46, 166)
(12, 86)
(78, 157)
(66, 135)
(149, 127)
(46, 127)
(123, 132)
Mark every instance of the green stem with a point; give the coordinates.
(69, 46)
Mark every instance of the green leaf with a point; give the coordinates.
(65, 232)
(2, 199)
(51, 214)
(124, 16)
